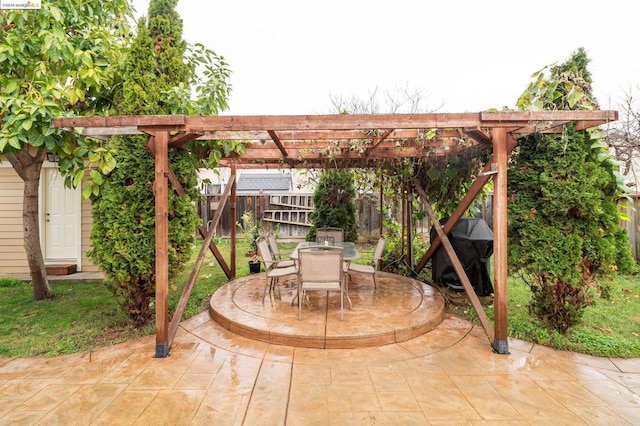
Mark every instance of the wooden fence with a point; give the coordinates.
(288, 215)
(633, 227)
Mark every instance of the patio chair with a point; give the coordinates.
(372, 268)
(275, 252)
(330, 234)
(320, 269)
(273, 272)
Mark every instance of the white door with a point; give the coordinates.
(61, 214)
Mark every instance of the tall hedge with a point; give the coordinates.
(564, 224)
(123, 235)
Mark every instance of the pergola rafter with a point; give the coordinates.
(358, 141)
(276, 139)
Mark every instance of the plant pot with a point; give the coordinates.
(254, 267)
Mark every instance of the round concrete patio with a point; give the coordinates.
(402, 309)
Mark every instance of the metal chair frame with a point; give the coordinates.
(320, 268)
(275, 252)
(373, 267)
(272, 271)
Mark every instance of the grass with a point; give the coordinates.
(84, 316)
(609, 327)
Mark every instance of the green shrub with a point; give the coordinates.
(564, 225)
(123, 234)
(251, 229)
(334, 204)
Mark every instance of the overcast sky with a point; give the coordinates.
(291, 57)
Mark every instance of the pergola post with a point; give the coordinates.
(409, 222)
(500, 342)
(233, 213)
(381, 181)
(161, 189)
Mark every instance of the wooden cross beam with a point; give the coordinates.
(457, 266)
(208, 241)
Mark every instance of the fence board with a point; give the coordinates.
(366, 207)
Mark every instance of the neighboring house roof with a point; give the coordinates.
(264, 182)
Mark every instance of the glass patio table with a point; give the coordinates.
(349, 250)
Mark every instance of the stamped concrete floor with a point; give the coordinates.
(448, 375)
(401, 309)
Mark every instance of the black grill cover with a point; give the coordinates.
(472, 240)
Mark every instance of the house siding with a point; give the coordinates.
(13, 259)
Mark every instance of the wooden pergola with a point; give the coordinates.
(358, 141)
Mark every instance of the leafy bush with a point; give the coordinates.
(334, 204)
(123, 234)
(251, 229)
(606, 328)
(564, 225)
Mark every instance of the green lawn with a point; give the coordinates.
(610, 327)
(84, 316)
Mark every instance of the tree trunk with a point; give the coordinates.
(28, 168)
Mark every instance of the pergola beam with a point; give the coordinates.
(182, 139)
(313, 152)
(160, 189)
(188, 288)
(303, 135)
(363, 122)
(479, 135)
(338, 122)
(513, 118)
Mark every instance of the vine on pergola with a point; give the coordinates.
(444, 176)
(444, 172)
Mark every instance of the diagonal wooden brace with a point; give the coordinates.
(457, 266)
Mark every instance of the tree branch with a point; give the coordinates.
(22, 160)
